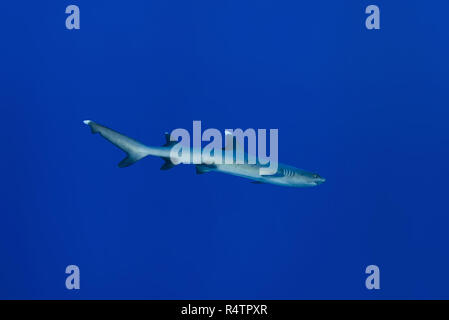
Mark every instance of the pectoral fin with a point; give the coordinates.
(200, 169)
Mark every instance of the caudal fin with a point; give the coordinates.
(134, 149)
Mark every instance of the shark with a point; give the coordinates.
(285, 175)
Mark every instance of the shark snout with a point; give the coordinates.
(319, 180)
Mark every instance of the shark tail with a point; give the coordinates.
(134, 149)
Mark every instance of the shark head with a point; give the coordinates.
(301, 178)
(316, 179)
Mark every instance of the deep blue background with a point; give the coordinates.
(368, 110)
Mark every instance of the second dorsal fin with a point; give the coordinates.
(168, 142)
(167, 164)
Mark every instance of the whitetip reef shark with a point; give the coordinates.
(284, 176)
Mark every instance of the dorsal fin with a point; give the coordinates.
(230, 141)
(168, 142)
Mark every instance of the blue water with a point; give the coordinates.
(367, 110)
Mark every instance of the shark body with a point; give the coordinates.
(285, 175)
